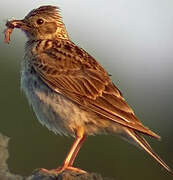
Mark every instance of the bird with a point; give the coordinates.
(69, 91)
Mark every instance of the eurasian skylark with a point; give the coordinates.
(69, 91)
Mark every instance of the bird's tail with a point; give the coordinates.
(139, 140)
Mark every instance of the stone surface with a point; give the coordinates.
(65, 175)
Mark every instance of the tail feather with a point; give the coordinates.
(144, 145)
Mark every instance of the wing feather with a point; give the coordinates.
(80, 78)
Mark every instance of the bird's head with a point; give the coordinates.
(41, 23)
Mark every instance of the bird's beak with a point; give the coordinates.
(21, 24)
(16, 24)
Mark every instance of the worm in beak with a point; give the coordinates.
(10, 26)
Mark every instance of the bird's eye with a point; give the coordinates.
(40, 21)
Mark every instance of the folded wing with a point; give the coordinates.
(72, 72)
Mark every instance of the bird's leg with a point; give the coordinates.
(68, 162)
(76, 151)
(80, 137)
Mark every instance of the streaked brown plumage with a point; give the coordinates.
(69, 91)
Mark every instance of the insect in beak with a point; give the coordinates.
(11, 25)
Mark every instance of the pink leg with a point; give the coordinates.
(68, 162)
(81, 141)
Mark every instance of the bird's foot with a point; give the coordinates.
(61, 169)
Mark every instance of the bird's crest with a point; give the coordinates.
(51, 11)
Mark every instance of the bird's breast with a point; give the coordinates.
(52, 109)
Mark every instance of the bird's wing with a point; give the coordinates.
(72, 72)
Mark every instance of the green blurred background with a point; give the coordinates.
(133, 40)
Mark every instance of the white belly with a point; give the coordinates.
(53, 110)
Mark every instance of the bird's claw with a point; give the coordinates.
(61, 169)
